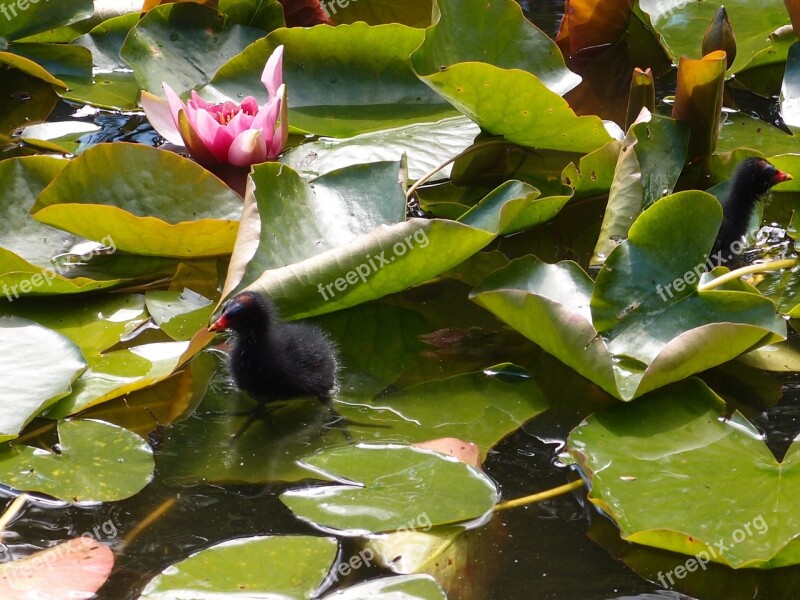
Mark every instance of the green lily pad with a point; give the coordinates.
(120, 372)
(674, 474)
(26, 100)
(648, 168)
(112, 84)
(94, 323)
(643, 324)
(183, 44)
(94, 462)
(160, 204)
(38, 17)
(427, 145)
(491, 25)
(179, 314)
(481, 408)
(62, 136)
(342, 81)
(296, 566)
(681, 25)
(405, 587)
(37, 368)
(327, 267)
(384, 488)
(38, 260)
(518, 106)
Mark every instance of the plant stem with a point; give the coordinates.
(736, 274)
(435, 170)
(545, 495)
(12, 512)
(159, 511)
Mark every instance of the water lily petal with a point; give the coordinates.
(250, 106)
(197, 102)
(193, 142)
(174, 101)
(216, 137)
(248, 148)
(241, 122)
(267, 117)
(160, 117)
(272, 76)
(282, 132)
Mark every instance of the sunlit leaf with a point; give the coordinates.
(297, 567)
(342, 81)
(493, 24)
(183, 45)
(397, 483)
(161, 204)
(37, 368)
(94, 462)
(645, 459)
(74, 569)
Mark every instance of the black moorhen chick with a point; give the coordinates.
(272, 360)
(754, 177)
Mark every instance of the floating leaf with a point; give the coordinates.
(160, 204)
(404, 587)
(643, 324)
(342, 81)
(492, 24)
(644, 461)
(345, 219)
(37, 368)
(183, 44)
(74, 569)
(297, 567)
(94, 462)
(480, 408)
(388, 487)
(427, 145)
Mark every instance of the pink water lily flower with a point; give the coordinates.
(227, 133)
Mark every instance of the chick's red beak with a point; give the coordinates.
(220, 324)
(780, 177)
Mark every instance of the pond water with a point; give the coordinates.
(562, 548)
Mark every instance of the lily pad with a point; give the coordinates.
(427, 145)
(38, 17)
(342, 81)
(289, 566)
(643, 324)
(183, 44)
(480, 408)
(94, 462)
(682, 24)
(518, 106)
(675, 474)
(328, 268)
(384, 488)
(405, 587)
(75, 569)
(179, 314)
(38, 367)
(121, 372)
(492, 24)
(160, 204)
